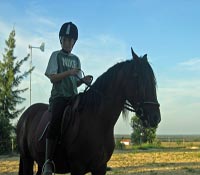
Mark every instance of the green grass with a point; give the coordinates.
(147, 146)
(190, 170)
(160, 146)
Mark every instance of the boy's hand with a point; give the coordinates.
(88, 79)
(74, 71)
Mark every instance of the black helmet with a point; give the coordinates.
(68, 30)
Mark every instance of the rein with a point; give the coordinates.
(88, 85)
(81, 79)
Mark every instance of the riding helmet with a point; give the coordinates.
(68, 30)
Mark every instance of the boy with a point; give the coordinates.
(62, 70)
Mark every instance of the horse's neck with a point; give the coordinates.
(107, 98)
(113, 102)
(114, 88)
(114, 108)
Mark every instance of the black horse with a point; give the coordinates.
(87, 142)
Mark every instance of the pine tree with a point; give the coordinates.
(10, 78)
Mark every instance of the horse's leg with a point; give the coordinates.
(20, 166)
(77, 172)
(77, 169)
(27, 165)
(100, 171)
(39, 171)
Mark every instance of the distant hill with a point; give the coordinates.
(122, 136)
(166, 138)
(186, 138)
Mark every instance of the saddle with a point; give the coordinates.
(69, 125)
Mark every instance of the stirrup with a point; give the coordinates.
(51, 162)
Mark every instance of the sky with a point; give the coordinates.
(168, 31)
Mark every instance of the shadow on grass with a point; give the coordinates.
(183, 168)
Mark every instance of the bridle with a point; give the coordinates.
(138, 106)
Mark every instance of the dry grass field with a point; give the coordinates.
(156, 163)
(177, 162)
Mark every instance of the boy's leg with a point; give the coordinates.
(53, 132)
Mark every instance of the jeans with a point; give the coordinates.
(58, 107)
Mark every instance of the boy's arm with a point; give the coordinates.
(54, 78)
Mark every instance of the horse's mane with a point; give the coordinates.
(147, 77)
(107, 76)
(93, 97)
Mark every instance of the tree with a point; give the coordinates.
(140, 133)
(10, 78)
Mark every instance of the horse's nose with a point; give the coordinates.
(156, 120)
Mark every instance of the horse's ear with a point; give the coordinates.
(134, 55)
(145, 57)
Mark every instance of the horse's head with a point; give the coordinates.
(141, 91)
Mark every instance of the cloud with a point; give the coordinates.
(98, 53)
(46, 21)
(180, 100)
(178, 94)
(40, 21)
(191, 64)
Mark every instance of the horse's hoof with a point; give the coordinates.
(47, 169)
